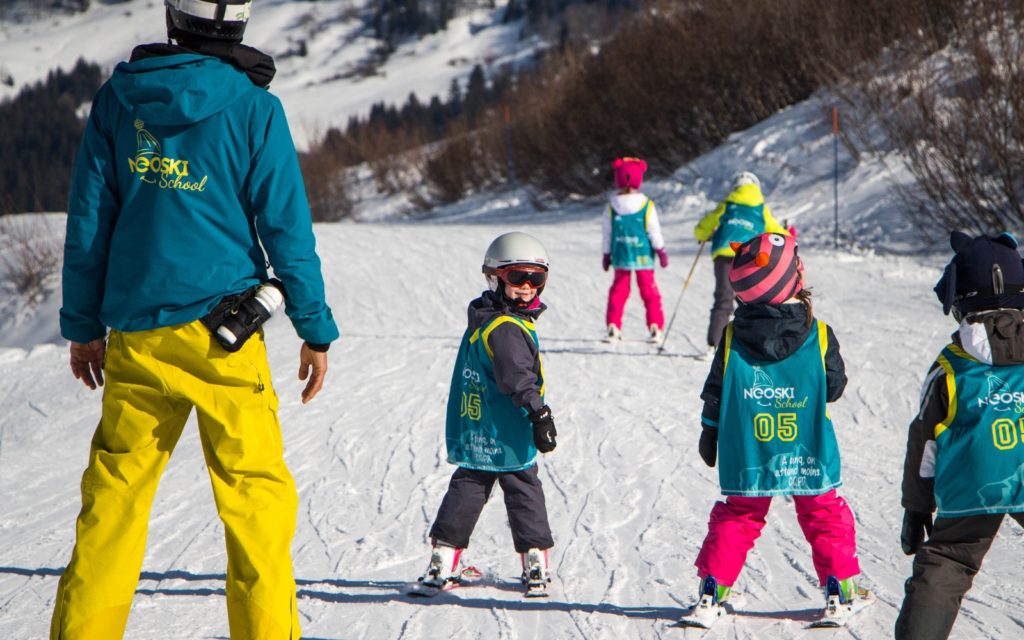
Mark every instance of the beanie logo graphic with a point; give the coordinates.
(1000, 397)
(147, 148)
(155, 168)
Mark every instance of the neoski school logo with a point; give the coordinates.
(740, 222)
(1000, 397)
(766, 394)
(153, 167)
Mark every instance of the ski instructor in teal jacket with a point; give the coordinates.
(186, 188)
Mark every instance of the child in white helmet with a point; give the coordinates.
(742, 215)
(497, 419)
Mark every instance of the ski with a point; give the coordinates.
(423, 589)
(837, 614)
(429, 590)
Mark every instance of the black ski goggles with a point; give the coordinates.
(519, 275)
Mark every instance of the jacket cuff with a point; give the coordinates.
(82, 333)
(319, 348)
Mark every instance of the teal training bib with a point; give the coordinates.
(484, 430)
(979, 457)
(775, 436)
(738, 223)
(631, 248)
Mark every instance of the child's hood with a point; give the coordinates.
(177, 89)
(746, 194)
(993, 337)
(626, 203)
(771, 331)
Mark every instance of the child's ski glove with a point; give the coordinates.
(702, 234)
(708, 446)
(915, 524)
(543, 429)
(606, 261)
(662, 257)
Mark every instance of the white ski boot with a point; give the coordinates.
(614, 334)
(843, 599)
(654, 334)
(536, 572)
(710, 605)
(442, 573)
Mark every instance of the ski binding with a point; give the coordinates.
(708, 609)
(837, 613)
(536, 584)
(702, 615)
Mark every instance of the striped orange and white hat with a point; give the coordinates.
(766, 269)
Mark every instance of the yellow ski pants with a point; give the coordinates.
(153, 379)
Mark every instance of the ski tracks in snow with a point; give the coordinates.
(628, 496)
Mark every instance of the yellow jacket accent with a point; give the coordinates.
(950, 389)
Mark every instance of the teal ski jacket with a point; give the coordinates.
(185, 189)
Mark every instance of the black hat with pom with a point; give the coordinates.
(986, 273)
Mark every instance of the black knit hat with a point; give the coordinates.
(985, 273)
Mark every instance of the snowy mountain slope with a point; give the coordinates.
(336, 77)
(627, 493)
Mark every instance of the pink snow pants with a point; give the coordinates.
(619, 293)
(735, 524)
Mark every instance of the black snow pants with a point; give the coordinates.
(944, 570)
(724, 302)
(469, 490)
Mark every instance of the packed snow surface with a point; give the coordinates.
(628, 495)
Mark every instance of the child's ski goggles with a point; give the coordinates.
(519, 275)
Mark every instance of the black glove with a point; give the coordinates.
(915, 524)
(708, 446)
(543, 429)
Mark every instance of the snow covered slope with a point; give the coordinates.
(628, 495)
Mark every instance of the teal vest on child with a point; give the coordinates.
(739, 223)
(631, 248)
(484, 429)
(979, 458)
(775, 436)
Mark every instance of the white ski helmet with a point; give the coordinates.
(211, 19)
(745, 177)
(512, 248)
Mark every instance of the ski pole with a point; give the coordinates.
(686, 284)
